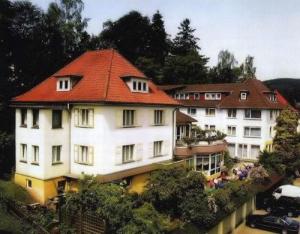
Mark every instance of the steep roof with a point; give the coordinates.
(101, 80)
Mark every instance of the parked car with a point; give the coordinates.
(273, 223)
(287, 191)
(283, 206)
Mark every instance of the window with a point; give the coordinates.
(84, 117)
(56, 118)
(23, 153)
(158, 117)
(84, 154)
(35, 154)
(128, 118)
(252, 132)
(127, 153)
(202, 164)
(157, 150)
(196, 96)
(254, 151)
(191, 111)
(242, 151)
(139, 86)
(231, 113)
(215, 163)
(56, 154)
(35, 118)
(210, 127)
(243, 96)
(23, 117)
(28, 183)
(252, 114)
(231, 149)
(272, 98)
(63, 84)
(231, 130)
(213, 96)
(210, 111)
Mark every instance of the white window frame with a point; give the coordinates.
(84, 117)
(257, 146)
(250, 112)
(128, 153)
(35, 155)
(250, 129)
(128, 118)
(231, 113)
(213, 96)
(23, 113)
(84, 154)
(23, 152)
(63, 84)
(56, 154)
(158, 117)
(190, 112)
(244, 150)
(231, 130)
(157, 148)
(243, 96)
(208, 112)
(140, 86)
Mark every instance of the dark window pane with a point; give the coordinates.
(56, 119)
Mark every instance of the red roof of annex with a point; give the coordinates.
(102, 74)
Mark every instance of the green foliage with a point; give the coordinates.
(259, 175)
(146, 220)
(168, 188)
(7, 161)
(286, 141)
(247, 68)
(271, 162)
(10, 191)
(228, 160)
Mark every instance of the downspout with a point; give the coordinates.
(173, 132)
(70, 125)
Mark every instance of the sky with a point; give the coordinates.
(269, 30)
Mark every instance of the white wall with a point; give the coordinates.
(44, 137)
(107, 137)
(221, 121)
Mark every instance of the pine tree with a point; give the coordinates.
(185, 41)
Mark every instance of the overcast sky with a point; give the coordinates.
(269, 30)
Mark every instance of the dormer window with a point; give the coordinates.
(63, 84)
(212, 96)
(243, 96)
(273, 98)
(139, 85)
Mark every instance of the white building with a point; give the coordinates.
(246, 112)
(98, 115)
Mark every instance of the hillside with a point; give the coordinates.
(288, 87)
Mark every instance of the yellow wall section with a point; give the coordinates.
(138, 183)
(41, 190)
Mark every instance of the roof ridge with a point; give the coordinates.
(109, 74)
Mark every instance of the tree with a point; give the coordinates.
(226, 70)
(185, 41)
(271, 162)
(129, 34)
(247, 68)
(286, 141)
(168, 188)
(185, 69)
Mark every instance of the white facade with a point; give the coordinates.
(239, 145)
(97, 147)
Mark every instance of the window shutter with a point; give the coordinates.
(138, 152)
(76, 120)
(118, 155)
(151, 116)
(151, 148)
(119, 118)
(166, 147)
(91, 155)
(76, 154)
(137, 117)
(165, 117)
(91, 118)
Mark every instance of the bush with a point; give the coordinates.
(259, 175)
(271, 162)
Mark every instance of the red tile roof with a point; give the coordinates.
(101, 81)
(257, 95)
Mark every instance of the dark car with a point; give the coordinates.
(283, 206)
(273, 223)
